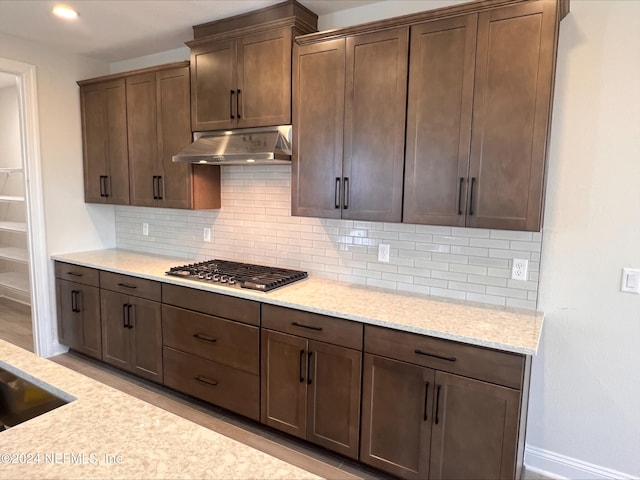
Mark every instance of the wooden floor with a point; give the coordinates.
(317, 461)
(15, 323)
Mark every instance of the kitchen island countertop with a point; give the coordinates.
(106, 433)
(505, 329)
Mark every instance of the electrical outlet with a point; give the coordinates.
(519, 269)
(384, 250)
(206, 235)
(145, 229)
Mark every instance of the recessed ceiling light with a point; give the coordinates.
(65, 12)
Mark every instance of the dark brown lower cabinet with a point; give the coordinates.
(79, 317)
(132, 334)
(420, 423)
(311, 389)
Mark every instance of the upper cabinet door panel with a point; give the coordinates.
(514, 78)
(264, 79)
(143, 147)
(118, 156)
(213, 78)
(439, 120)
(174, 133)
(375, 110)
(94, 119)
(318, 116)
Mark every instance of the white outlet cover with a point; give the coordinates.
(519, 269)
(206, 234)
(384, 252)
(145, 229)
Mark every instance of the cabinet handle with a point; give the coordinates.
(426, 401)
(460, 195)
(439, 357)
(74, 301)
(75, 274)
(102, 187)
(309, 327)
(206, 338)
(206, 381)
(107, 186)
(301, 366)
(155, 187)
(345, 201)
(231, 104)
(129, 323)
(124, 316)
(127, 285)
(238, 103)
(473, 181)
(309, 368)
(337, 193)
(437, 419)
(160, 188)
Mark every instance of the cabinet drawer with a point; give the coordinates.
(216, 304)
(313, 326)
(78, 274)
(490, 365)
(223, 341)
(213, 382)
(137, 287)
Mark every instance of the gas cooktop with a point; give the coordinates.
(244, 275)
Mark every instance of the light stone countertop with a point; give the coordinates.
(151, 443)
(504, 329)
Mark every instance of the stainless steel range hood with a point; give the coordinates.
(250, 146)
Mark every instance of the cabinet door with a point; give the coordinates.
(94, 141)
(474, 430)
(333, 397)
(118, 156)
(143, 135)
(397, 405)
(264, 79)
(79, 317)
(213, 85)
(439, 120)
(146, 338)
(174, 133)
(511, 114)
(374, 125)
(318, 116)
(284, 382)
(115, 332)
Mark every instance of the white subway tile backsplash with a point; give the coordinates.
(255, 225)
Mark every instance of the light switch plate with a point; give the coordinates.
(630, 280)
(384, 251)
(519, 269)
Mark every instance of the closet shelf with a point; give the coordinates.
(11, 198)
(15, 281)
(14, 254)
(13, 226)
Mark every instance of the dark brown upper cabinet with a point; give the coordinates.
(479, 105)
(104, 134)
(144, 117)
(241, 68)
(158, 123)
(349, 116)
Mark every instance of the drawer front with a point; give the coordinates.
(476, 362)
(231, 343)
(213, 382)
(78, 274)
(137, 287)
(216, 304)
(312, 325)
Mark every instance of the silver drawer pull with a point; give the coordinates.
(296, 324)
(439, 357)
(207, 381)
(206, 338)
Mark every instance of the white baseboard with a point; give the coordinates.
(557, 466)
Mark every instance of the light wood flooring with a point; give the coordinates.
(317, 461)
(15, 323)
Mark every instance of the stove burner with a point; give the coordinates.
(245, 275)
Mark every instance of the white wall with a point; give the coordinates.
(585, 393)
(9, 128)
(71, 225)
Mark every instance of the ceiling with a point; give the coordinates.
(115, 30)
